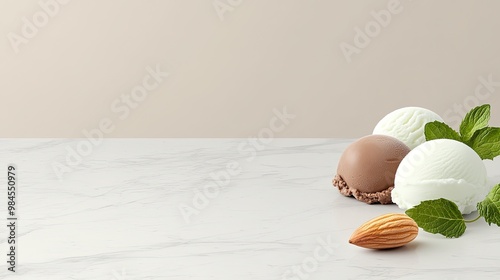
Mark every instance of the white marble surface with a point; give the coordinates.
(116, 216)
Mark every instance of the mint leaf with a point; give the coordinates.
(440, 130)
(486, 142)
(476, 119)
(438, 216)
(489, 208)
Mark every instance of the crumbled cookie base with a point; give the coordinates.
(382, 197)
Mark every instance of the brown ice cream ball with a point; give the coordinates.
(369, 165)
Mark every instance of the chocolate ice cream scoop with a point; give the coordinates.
(367, 168)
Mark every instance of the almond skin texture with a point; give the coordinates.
(385, 232)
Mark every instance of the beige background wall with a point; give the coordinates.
(229, 71)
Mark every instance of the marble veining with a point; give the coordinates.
(211, 209)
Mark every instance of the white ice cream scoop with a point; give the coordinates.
(407, 125)
(441, 168)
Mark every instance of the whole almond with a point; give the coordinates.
(384, 232)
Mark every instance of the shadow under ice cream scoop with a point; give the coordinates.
(367, 168)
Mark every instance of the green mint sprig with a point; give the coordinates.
(475, 120)
(489, 208)
(474, 132)
(443, 216)
(439, 216)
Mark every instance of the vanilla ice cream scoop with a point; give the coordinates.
(441, 168)
(407, 125)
